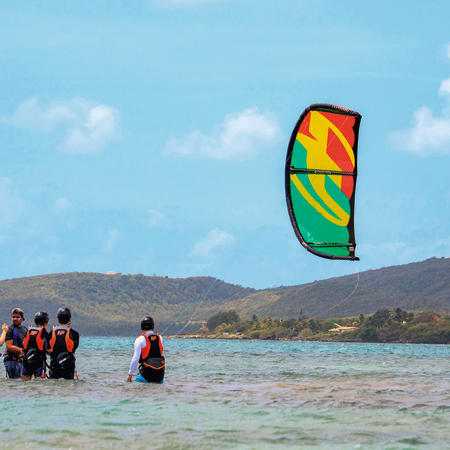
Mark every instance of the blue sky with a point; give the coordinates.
(150, 136)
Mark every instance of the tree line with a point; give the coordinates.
(385, 325)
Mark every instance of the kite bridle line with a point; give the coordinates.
(195, 309)
(345, 299)
(202, 297)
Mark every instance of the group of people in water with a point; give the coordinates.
(27, 349)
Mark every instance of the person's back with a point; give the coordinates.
(149, 353)
(35, 347)
(14, 345)
(63, 343)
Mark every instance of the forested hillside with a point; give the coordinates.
(417, 286)
(113, 304)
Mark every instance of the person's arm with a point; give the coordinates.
(10, 347)
(3, 336)
(139, 343)
(76, 339)
(49, 337)
(46, 336)
(161, 346)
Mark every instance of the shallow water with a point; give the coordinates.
(239, 394)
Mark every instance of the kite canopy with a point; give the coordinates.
(320, 179)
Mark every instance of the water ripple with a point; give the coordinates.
(239, 394)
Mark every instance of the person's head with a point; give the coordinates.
(147, 323)
(41, 318)
(64, 315)
(17, 316)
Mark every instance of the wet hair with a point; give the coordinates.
(147, 323)
(17, 311)
(64, 315)
(41, 318)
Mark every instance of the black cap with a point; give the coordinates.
(41, 318)
(147, 323)
(64, 315)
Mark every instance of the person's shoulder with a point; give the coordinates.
(139, 339)
(75, 333)
(10, 332)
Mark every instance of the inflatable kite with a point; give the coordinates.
(320, 180)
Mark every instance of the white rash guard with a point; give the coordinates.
(139, 344)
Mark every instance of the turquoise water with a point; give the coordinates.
(239, 394)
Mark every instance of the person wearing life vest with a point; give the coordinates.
(14, 345)
(63, 342)
(35, 345)
(149, 353)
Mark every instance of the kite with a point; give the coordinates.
(320, 180)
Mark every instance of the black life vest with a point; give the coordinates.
(34, 349)
(152, 361)
(34, 339)
(61, 341)
(61, 349)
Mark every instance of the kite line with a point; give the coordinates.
(345, 299)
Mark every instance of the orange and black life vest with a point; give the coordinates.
(61, 341)
(153, 347)
(34, 339)
(152, 362)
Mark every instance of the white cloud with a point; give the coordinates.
(214, 239)
(61, 204)
(240, 136)
(154, 217)
(444, 89)
(86, 127)
(111, 239)
(11, 205)
(430, 134)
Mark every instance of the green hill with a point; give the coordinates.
(113, 304)
(417, 286)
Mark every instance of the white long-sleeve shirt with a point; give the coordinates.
(139, 344)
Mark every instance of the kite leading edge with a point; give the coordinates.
(320, 180)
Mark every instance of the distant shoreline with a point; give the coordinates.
(384, 326)
(244, 338)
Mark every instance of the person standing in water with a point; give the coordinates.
(63, 344)
(149, 353)
(14, 345)
(35, 347)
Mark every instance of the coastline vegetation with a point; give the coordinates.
(424, 327)
(112, 304)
